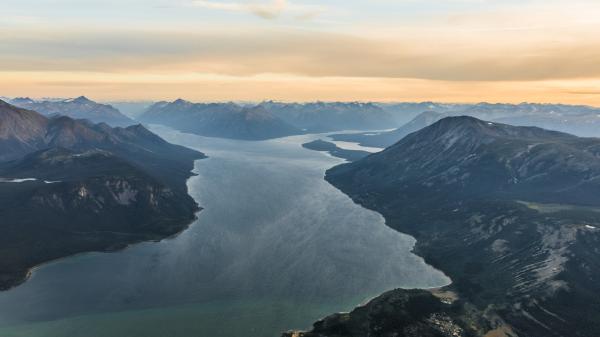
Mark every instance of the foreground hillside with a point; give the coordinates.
(511, 214)
(70, 186)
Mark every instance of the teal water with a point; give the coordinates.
(276, 247)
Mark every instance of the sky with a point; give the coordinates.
(303, 50)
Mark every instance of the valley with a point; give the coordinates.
(274, 248)
(509, 214)
(300, 168)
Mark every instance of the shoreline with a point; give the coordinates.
(33, 269)
(30, 271)
(436, 291)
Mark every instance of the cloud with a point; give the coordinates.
(305, 53)
(270, 10)
(264, 10)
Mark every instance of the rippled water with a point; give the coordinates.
(276, 247)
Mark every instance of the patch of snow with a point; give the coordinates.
(22, 180)
(51, 182)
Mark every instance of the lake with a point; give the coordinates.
(275, 248)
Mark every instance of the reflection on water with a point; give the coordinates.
(276, 247)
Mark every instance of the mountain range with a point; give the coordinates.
(225, 120)
(575, 119)
(70, 186)
(77, 108)
(511, 214)
(266, 120)
(324, 117)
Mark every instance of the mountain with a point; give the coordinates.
(324, 117)
(385, 139)
(93, 188)
(576, 119)
(23, 131)
(225, 120)
(78, 108)
(511, 214)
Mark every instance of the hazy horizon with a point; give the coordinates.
(391, 102)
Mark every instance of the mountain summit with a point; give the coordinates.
(476, 157)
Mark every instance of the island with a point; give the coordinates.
(334, 150)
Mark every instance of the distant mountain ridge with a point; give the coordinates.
(225, 120)
(78, 108)
(266, 120)
(331, 116)
(511, 214)
(575, 119)
(131, 109)
(385, 139)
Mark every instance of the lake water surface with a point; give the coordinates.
(276, 247)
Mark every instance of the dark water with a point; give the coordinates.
(275, 248)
